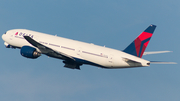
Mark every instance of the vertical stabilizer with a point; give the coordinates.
(138, 46)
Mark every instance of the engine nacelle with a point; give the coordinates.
(29, 52)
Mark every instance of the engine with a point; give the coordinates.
(29, 52)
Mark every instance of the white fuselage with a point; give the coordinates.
(101, 56)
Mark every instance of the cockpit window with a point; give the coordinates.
(5, 32)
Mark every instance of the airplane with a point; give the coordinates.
(75, 53)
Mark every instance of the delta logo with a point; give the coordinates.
(23, 34)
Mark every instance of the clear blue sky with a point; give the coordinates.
(113, 23)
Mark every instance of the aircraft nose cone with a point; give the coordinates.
(3, 36)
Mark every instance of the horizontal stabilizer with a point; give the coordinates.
(160, 62)
(132, 63)
(129, 60)
(155, 52)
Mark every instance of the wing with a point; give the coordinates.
(69, 61)
(155, 52)
(46, 50)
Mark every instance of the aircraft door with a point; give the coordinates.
(11, 38)
(78, 51)
(110, 59)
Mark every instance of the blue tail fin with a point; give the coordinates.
(138, 46)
